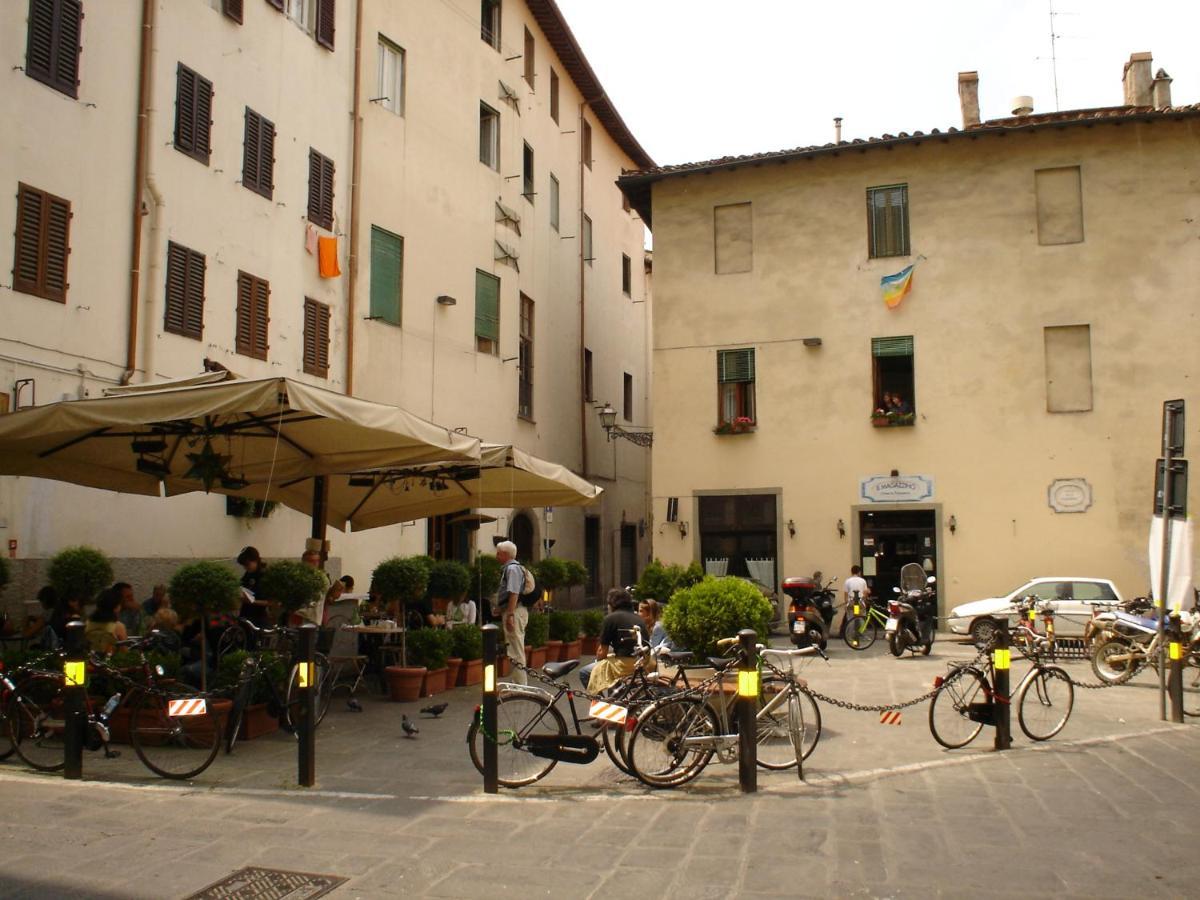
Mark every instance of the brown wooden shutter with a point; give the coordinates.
(245, 314)
(185, 109)
(252, 151)
(325, 22)
(26, 262)
(184, 313)
(52, 47)
(66, 55)
(316, 338)
(327, 191)
(233, 9)
(42, 244)
(266, 158)
(39, 47)
(320, 190)
(58, 248)
(193, 320)
(262, 300)
(204, 94)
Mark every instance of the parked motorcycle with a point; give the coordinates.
(810, 609)
(1102, 625)
(1134, 644)
(911, 614)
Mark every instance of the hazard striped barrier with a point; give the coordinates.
(608, 712)
(889, 717)
(194, 706)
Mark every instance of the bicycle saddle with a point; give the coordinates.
(676, 656)
(721, 663)
(559, 669)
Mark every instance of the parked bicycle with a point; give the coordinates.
(862, 628)
(965, 699)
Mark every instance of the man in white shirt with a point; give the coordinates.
(855, 584)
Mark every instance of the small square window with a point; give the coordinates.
(389, 82)
(626, 275)
(489, 137)
(489, 23)
(527, 174)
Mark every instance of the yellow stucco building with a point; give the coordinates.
(1002, 421)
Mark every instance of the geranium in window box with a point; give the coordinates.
(740, 425)
(881, 419)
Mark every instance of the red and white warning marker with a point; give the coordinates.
(889, 717)
(608, 712)
(194, 706)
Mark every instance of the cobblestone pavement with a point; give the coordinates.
(884, 813)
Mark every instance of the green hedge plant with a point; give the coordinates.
(537, 632)
(80, 573)
(429, 647)
(576, 573)
(551, 573)
(204, 588)
(466, 642)
(660, 582)
(291, 584)
(399, 578)
(590, 621)
(271, 669)
(485, 578)
(698, 616)
(564, 626)
(448, 580)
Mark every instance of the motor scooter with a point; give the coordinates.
(807, 621)
(912, 613)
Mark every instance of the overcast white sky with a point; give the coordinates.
(698, 79)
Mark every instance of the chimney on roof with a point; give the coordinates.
(1022, 105)
(1161, 90)
(968, 97)
(837, 129)
(1136, 79)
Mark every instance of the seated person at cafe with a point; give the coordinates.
(166, 623)
(129, 610)
(460, 612)
(614, 657)
(103, 628)
(157, 599)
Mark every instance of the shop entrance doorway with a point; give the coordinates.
(888, 540)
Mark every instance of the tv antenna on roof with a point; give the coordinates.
(1053, 55)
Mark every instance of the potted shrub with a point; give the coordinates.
(551, 574)
(698, 616)
(430, 648)
(484, 580)
(405, 682)
(401, 581)
(78, 574)
(660, 582)
(448, 582)
(204, 589)
(292, 584)
(258, 719)
(537, 634)
(467, 644)
(564, 626)
(590, 621)
(577, 575)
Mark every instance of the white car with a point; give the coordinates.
(1074, 599)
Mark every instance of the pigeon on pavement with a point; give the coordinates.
(435, 710)
(354, 705)
(410, 730)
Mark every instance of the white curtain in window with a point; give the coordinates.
(390, 81)
(717, 566)
(762, 570)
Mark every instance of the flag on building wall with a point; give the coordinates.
(896, 287)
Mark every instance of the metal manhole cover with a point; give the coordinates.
(254, 883)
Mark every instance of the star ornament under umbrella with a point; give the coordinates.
(207, 467)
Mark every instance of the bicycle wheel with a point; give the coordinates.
(37, 722)
(241, 699)
(1045, 703)
(860, 632)
(179, 746)
(322, 678)
(811, 722)
(672, 742)
(232, 639)
(7, 747)
(948, 719)
(779, 714)
(515, 712)
(1114, 662)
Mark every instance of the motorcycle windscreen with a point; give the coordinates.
(912, 577)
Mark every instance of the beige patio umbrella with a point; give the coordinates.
(504, 477)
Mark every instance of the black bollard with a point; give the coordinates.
(1175, 670)
(747, 709)
(74, 699)
(306, 712)
(491, 776)
(1001, 704)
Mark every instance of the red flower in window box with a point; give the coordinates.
(740, 425)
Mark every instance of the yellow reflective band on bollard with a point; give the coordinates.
(748, 683)
(489, 679)
(1176, 650)
(1033, 615)
(1001, 659)
(856, 609)
(75, 673)
(304, 672)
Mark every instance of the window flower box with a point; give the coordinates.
(892, 419)
(740, 425)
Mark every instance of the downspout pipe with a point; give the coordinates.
(139, 176)
(355, 179)
(583, 397)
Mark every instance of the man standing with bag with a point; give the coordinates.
(513, 614)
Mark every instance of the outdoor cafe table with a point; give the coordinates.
(376, 634)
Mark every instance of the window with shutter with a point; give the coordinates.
(390, 76)
(253, 299)
(326, 17)
(320, 190)
(489, 136)
(193, 114)
(387, 275)
(554, 203)
(316, 338)
(487, 313)
(887, 221)
(626, 275)
(278, 4)
(554, 95)
(528, 74)
(627, 398)
(894, 387)
(736, 378)
(527, 174)
(232, 9)
(585, 143)
(525, 360)
(184, 313)
(52, 44)
(42, 244)
(588, 393)
(587, 240)
(258, 156)
(489, 22)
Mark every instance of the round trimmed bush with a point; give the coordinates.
(576, 573)
(564, 626)
(699, 616)
(449, 579)
(204, 587)
(590, 621)
(485, 578)
(467, 642)
(80, 573)
(292, 584)
(550, 573)
(399, 578)
(660, 582)
(429, 647)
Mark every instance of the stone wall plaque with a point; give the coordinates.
(1070, 495)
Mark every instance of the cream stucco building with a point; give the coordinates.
(172, 200)
(1052, 310)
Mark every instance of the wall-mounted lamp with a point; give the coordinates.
(953, 523)
(812, 342)
(841, 527)
(791, 527)
(683, 529)
(446, 300)
(608, 420)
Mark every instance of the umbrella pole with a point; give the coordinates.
(320, 514)
(204, 651)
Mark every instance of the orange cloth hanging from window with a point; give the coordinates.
(327, 257)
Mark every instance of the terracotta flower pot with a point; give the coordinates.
(553, 652)
(405, 682)
(435, 682)
(535, 657)
(471, 672)
(589, 646)
(570, 650)
(504, 665)
(256, 722)
(453, 665)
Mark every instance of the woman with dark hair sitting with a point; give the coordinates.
(103, 628)
(619, 633)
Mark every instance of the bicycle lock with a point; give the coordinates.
(491, 774)
(306, 738)
(74, 699)
(747, 708)
(1001, 702)
(1175, 675)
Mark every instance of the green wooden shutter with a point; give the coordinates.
(892, 346)
(387, 268)
(487, 306)
(735, 365)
